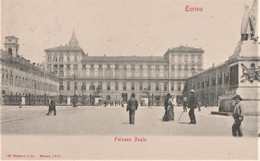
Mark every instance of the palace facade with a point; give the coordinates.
(22, 79)
(114, 78)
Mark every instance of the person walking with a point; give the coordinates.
(199, 105)
(192, 104)
(52, 107)
(171, 103)
(132, 106)
(166, 113)
(184, 104)
(238, 115)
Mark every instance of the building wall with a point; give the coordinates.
(21, 78)
(123, 74)
(210, 84)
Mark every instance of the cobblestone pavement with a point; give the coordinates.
(90, 133)
(90, 120)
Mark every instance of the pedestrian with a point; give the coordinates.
(168, 106)
(49, 104)
(192, 104)
(132, 106)
(184, 104)
(171, 103)
(199, 105)
(238, 116)
(52, 107)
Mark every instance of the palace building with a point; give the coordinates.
(114, 78)
(22, 80)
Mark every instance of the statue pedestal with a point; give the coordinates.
(244, 80)
(249, 48)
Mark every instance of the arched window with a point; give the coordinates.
(10, 51)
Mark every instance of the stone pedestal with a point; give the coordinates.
(244, 80)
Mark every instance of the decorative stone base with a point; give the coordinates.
(221, 113)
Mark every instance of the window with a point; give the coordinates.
(61, 86)
(149, 71)
(192, 58)
(179, 87)
(68, 86)
(116, 86)
(141, 70)
(49, 58)
(92, 86)
(199, 59)
(179, 58)
(132, 86)
(179, 67)
(68, 66)
(124, 71)
(55, 58)
(61, 58)
(220, 79)
(172, 86)
(141, 86)
(116, 70)
(133, 71)
(186, 58)
(100, 70)
(76, 58)
(61, 67)
(124, 86)
(100, 85)
(75, 67)
(61, 73)
(84, 67)
(49, 67)
(55, 67)
(76, 85)
(83, 86)
(108, 86)
(157, 86)
(68, 58)
(165, 86)
(213, 80)
(149, 86)
(186, 67)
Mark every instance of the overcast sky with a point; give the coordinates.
(125, 27)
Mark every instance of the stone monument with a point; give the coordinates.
(244, 66)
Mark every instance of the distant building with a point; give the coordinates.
(116, 77)
(20, 78)
(210, 84)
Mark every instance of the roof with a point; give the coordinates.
(186, 49)
(123, 59)
(65, 48)
(11, 37)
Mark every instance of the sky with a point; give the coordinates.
(130, 27)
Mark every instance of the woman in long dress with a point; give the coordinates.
(171, 108)
(168, 105)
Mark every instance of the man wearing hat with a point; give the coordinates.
(192, 104)
(132, 106)
(52, 106)
(238, 115)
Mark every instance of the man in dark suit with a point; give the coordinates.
(132, 106)
(52, 106)
(192, 104)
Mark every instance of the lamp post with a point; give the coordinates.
(74, 97)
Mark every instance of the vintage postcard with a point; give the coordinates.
(129, 80)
